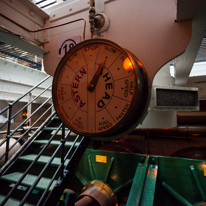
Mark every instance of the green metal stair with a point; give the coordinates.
(53, 143)
(50, 175)
(28, 180)
(42, 160)
(13, 201)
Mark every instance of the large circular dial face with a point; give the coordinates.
(95, 87)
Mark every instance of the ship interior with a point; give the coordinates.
(103, 102)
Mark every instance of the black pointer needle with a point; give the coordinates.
(91, 86)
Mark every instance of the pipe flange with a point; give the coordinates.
(101, 192)
(101, 23)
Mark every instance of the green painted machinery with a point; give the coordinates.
(132, 179)
(55, 170)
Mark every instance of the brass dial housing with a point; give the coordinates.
(99, 90)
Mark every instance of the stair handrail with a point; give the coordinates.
(10, 105)
(29, 91)
(10, 117)
(31, 101)
(10, 148)
(4, 110)
(4, 132)
(46, 166)
(27, 170)
(60, 167)
(19, 130)
(57, 191)
(11, 161)
(46, 101)
(66, 172)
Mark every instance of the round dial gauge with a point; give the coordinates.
(99, 90)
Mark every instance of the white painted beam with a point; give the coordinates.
(16, 80)
(27, 16)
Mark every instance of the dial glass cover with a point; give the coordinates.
(94, 87)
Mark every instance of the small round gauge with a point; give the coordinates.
(100, 90)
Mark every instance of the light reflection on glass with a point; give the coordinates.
(127, 64)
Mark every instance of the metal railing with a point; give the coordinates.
(62, 173)
(7, 123)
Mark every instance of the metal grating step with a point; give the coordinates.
(54, 143)
(72, 134)
(43, 159)
(13, 202)
(54, 128)
(28, 180)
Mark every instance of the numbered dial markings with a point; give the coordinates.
(94, 87)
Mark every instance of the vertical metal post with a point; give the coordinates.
(42, 65)
(91, 16)
(63, 140)
(52, 109)
(8, 132)
(29, 110)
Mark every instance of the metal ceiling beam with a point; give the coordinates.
(186, 10)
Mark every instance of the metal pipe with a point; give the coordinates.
(8, 133)
(52, 27)
(87, 201)
(4, 123)
(189, 130)
(92, 16)
(92, 3)
(4, 132)
(63, 140)
(5, 109)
